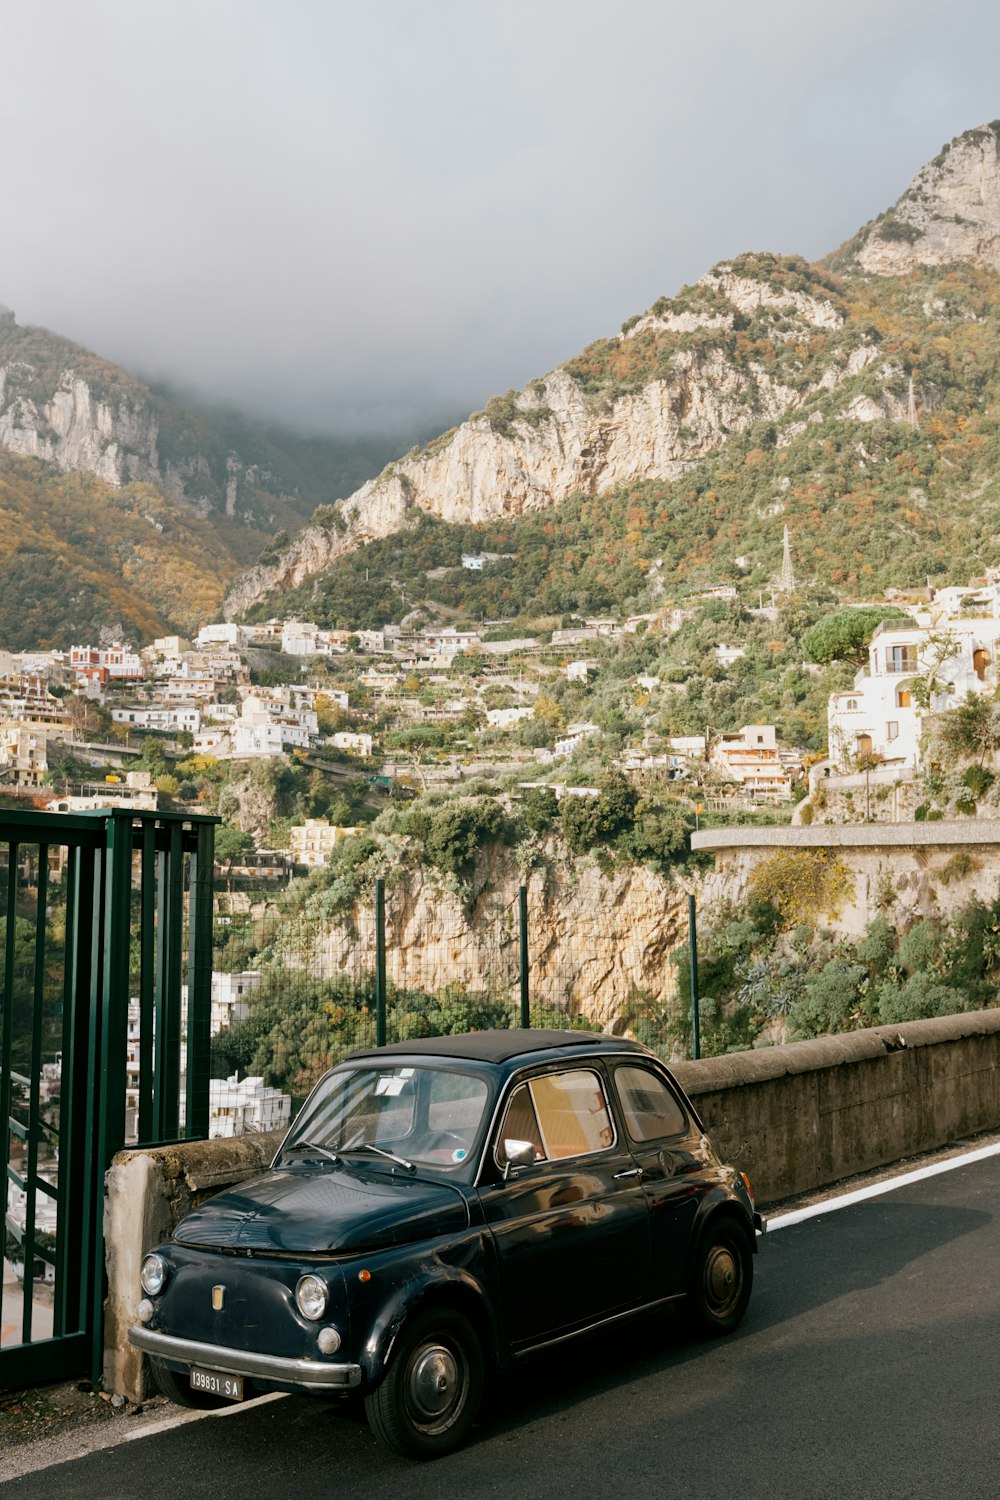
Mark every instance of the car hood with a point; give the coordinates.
(327, 1209)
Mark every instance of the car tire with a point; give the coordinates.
(721, 1279)
(177, 1388)
(432, 1390)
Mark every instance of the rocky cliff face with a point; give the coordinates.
(595, 423)
(75, 430)
(755, 339)
(599, 945)
(63, 405)
(949, 213)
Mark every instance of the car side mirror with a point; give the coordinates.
(517, 1154)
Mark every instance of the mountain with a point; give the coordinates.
(126, 508)
(81, 413)
(80, 557)
(949, 214)
(769, 388)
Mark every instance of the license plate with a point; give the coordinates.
(215, 1383)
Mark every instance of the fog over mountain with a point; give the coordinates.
(374, 217)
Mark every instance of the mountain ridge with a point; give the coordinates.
(162, 476)
(759, 340)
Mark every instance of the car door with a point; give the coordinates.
(666, 1146)
(571, 1230)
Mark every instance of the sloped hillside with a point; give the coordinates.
(770, 388)
(871, 499)
(78, 556)
(83, 414)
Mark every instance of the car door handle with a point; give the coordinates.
(629, 1172)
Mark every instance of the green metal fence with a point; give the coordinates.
(105, 1001)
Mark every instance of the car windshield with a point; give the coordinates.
(410, 1116)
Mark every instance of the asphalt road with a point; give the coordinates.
(868, 1365)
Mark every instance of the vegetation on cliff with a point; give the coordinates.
(871, 501)
(80, 558)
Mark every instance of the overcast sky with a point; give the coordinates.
(356, 213)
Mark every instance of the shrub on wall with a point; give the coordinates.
(803, 884)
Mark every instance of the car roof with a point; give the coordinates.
(497, 1046)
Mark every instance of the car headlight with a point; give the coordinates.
(153, 1275)
(311, 1297)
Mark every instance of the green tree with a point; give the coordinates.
(232, 845)
(845, 636)
(972, 730)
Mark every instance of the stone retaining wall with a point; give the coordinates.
(146, 1193)
(807, 1114)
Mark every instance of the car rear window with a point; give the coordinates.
(649, 1108)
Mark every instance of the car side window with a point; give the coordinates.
(562, 1114)
(650, 1109)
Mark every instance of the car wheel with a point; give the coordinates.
(177, 1388)
(429, 1398)
(721, 1280)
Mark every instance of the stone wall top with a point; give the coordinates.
(204, 1165)
(737, 1068)
(852, 836)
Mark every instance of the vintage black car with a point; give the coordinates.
(445, 1205)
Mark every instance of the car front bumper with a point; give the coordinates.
(307, 1374)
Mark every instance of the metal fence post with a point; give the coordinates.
(199, 1016)
(693, 956)
(380, 1036)
(112, 1045)
(522, 922)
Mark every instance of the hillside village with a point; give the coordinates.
(397, 711)
(404, 710)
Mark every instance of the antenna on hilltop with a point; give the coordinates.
(911, 408)
(786, 583)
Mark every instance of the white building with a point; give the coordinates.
(169, 720)
(503, 718)
(231, 996)
(688, 744)
(222, 634)
(953, 659)
(579, 671)
(303, 638)
(251, 740)
(215, 742)
(136, 792)
(574, 737)
(751, 757)
(23, 754)
(448, 641)
(242, 1106)
(354, 744)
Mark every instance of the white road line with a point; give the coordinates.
(180, 1418)
(876, 1189)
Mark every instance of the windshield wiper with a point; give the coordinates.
(378, 1151)
(314, 1146)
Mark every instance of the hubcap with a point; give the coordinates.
(723, 1279)
(436, 1385)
